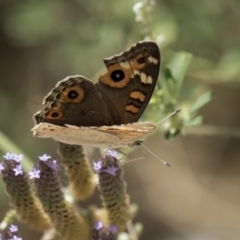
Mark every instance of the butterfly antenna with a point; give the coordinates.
(166, 163)
(171, 114)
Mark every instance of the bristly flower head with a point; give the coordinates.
(13, 156)
(112, 153)
(18, 170)
(53, 164)
(13, 228)
(111, 170)
(17, 158)
(35, 173)
(98, 225)
(113, 228)
(102, 232)
(8, 156)
(97, 166)
(16, 238)
(44, 157)
(50, 163)
(10, 233)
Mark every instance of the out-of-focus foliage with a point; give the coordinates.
(43, 41)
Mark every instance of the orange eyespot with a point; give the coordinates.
(138, 62)
(54, 114)
(117, 76)
(74, 94)
(141, 60)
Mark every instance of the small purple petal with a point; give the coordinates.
(53, 164)
(44, 157)
(113, 228)
(8, 156)
(16, 238)
(97, 166)
(13, 228)
(1, 167)
(18, 170)
(112, 153)
(17, 158)
(98, 225)
(111, 170)
(35, 173)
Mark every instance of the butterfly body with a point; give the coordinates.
(82, 112)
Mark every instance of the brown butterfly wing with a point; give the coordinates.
(128, 84)
(120, 96)
(75, 101)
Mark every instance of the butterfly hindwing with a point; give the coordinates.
(76, 101)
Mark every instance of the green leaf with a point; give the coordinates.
(171, 87)
(195, 121)
(201, 101)
(172, 133)
(177, 67)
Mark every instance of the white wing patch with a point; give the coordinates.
(143, 77)
(149, 80)
(153, 60)
(125, 65)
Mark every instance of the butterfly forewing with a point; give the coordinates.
(128, 84)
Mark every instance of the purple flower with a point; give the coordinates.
(18, 170)
(113, 228)
(35, 173)
(97, 166)
(16, 238)
(1, 167)
(112, 153)
(44, 157)
(111, 170)
(8, 156)
(13, 228)
(98, 225)
(53, 164)
(13, 156)
(17, 158)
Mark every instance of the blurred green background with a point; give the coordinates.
(42, 42)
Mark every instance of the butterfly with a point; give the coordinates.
(103, 114)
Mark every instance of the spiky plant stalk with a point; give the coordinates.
(102, 233)
(78, 170)
(113, 192)
(22, 197)
(70, 224)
